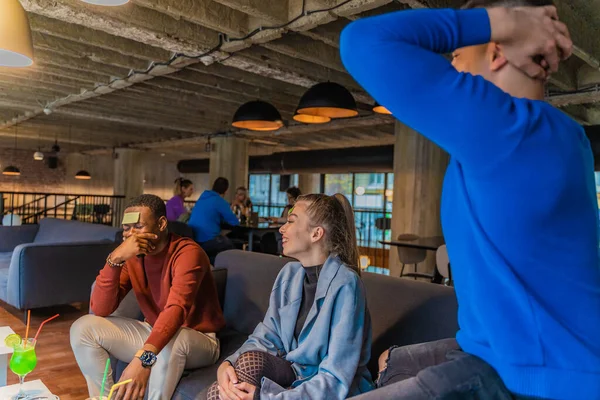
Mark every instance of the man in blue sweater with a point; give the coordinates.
(210, 211)
(519, 208)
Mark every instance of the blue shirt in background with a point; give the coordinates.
(519, 207)
(209, 212)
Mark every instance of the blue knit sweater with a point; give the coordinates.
(519, 208)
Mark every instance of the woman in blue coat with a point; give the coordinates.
(315, 340)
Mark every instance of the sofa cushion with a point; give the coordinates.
(194, 384)
(250, 277)
(220, 276)
(4, 284)
(5, 259)
(12, 236)
(405, 312)
(63, 231)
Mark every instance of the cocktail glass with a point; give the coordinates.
(22, 362)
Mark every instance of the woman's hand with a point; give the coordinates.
(226, 378)
(244, 390)
(531, 38)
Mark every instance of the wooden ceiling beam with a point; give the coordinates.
(92, 37)
(78, 63)
(207, 13)
(209, 92)
(272, 11)
(129, 21)
(235, 74)
(239, 88)
(81, 51)
(105, 116)
(25, 76)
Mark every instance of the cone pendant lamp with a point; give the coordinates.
(16, 46)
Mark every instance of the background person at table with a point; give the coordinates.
(519, 202)
(176, 206)
(174, 286)
(315, 340)
(292, 195)
(241, 205)
(210, 212)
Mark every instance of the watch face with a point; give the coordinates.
(148, 359)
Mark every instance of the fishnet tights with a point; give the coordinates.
(252, 366)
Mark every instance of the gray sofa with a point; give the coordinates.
(52, 263)
(402, 311)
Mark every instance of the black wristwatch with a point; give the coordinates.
(147, 358)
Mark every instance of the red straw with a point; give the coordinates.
(42, 324)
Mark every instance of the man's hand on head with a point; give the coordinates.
(134, 245)
(531, 38)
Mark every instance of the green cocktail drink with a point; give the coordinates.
(22, 362)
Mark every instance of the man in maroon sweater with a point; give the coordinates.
(176, 292)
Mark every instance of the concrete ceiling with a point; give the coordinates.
(86, 57)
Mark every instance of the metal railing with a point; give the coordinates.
(32, 207)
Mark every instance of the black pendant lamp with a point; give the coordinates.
(11, 170)
(257, 116)
(311, 119)
(83, 175)
(328, 99)
(379, 109)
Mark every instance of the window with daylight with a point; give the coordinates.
(264, 192)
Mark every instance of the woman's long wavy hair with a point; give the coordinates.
(335, 215)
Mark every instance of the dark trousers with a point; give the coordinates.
(438, 370)
(215, 246)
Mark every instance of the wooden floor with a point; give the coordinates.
(56, 363)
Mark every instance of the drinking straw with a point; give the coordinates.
(112, 389)
(42, 324)
(27, 329)
(104, 378)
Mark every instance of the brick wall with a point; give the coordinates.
(35, 175)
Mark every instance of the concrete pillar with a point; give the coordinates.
(309, 183)
(229, 159)
(129, 173)
(419, 168)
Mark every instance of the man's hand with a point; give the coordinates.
(137, 243)
(531, 38)
(136, 389)
(226, 378)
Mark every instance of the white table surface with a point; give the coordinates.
(4, 353)
(4, 332)
(34, 389)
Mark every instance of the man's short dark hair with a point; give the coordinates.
(221, 185)
(507, 3)
(294, 192)
(154, 203)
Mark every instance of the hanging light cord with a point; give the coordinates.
(222, 38)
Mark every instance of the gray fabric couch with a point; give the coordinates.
(52, 263)
(402, 311)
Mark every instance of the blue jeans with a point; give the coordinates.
(215, 246)
(437, 370)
